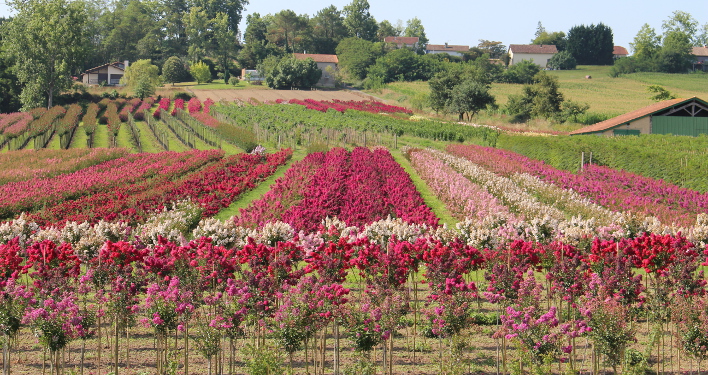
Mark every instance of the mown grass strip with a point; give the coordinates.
(124, 138)
(100, 136)
(79, 138)
(147, 139)
(246, 198)
(54, 142)
(430, 199)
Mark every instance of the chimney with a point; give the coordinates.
(446, 45)
(125, 64)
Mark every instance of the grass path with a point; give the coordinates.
(147, 139)
(55, 142)
(124, 138)
(79, 138)
(100, 136)
(246, 198)
(430, 199)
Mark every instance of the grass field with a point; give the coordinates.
(603, 93)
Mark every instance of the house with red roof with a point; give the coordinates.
(674, 116)
(450, 49)
(403, 41)
(619, 51)
(538, 53)
(326, 63)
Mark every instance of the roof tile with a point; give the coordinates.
(318, 57)
(533, 48)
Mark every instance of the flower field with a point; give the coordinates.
(113, 262)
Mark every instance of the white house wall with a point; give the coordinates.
(540, 59)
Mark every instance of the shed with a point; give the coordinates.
(675, 116)
(108, 74)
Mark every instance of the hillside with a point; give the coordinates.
(604, 94)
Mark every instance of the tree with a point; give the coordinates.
(683, 22)
(288, 30)
(470, 97)
(356, 55)
(328, 30)
(495, 50)
(173, 70)
(555, 38)
(414, 28)
(225, 43)
(591, 45)
(142, 76)
(441, 86)
(522, 72)
(359, 21)
(703, 36)
(291, 72)
(563, 60)
(540, 99)
(128, 25)
(200, 71)
(386, 29)
(676, 54)
(646, 43)
(197, 25)
(659, 93)
(47, 41)
(256, 46)
(403, 65)
(232, 9)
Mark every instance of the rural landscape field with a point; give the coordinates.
(318, 232)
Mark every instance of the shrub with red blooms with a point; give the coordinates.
(194, 106)
(54, 266)
(179, 104)
(341, 106)
(163, 105)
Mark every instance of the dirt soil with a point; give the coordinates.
(273, 95)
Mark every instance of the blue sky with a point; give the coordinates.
(510, 21)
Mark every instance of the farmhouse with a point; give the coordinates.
(108, 74)
(403, 41)
(452, 50)
(701, 61)
(619, 51)
(538, 53)
(323, 62)
(675, 116)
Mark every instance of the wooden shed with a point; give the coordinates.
(675, 116)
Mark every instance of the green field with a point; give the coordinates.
(603, 93)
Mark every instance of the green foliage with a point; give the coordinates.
(292, 72)
(563, 60)
(403, 65)
(522, 72)
(233, 81)
(470, 97)
(144, 74)
(659, 93)
(591, 45)
(556, 38)
(200, 72)
(676, 54)
(263, 361)
(541, 99)
(47, 41)
(328, 30)
(173, 70)
(414, 28)
(356, 56)
(358, 20)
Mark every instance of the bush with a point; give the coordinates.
(233, 81)
(563, 60)
(263, 361)
(182, 95)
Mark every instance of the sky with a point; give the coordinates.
(465, 22)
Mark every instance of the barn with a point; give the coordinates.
(675, 116)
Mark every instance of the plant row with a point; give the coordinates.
(616, 190)
(359, 187)
(342, 106)
(272, 283)
(38, 193)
